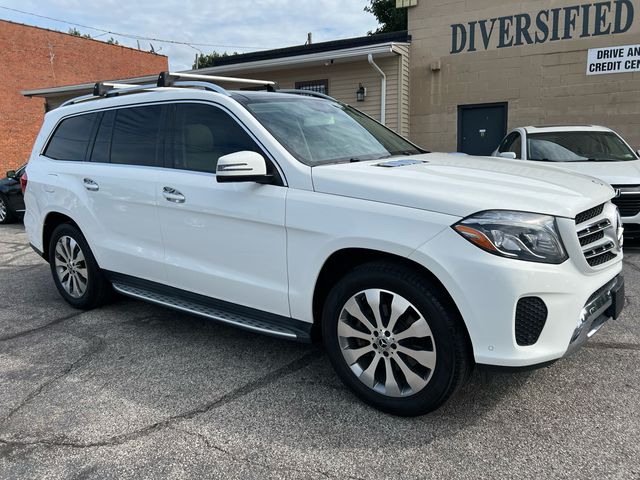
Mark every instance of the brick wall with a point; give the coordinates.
(37, 58)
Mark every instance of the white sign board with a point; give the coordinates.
(622, 59)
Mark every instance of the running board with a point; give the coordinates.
(224, 312)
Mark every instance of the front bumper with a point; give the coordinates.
(487, 288)
(605, 304)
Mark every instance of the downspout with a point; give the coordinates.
(383, 86)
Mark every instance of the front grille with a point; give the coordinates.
(589, 214)
(602, 259)
(596, 234)
(629, 206)
(591, 238)
(531, 315)
(628, 199)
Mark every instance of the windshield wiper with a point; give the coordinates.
(368, 157)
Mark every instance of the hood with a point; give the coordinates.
(461, 185)
(613, 173)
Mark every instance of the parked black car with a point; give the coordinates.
(11, 201)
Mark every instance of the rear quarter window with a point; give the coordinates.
(136, 136)
(71, 138)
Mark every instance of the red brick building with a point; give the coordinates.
(33, 57)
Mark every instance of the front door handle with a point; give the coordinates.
(91, 185)
(173, 195)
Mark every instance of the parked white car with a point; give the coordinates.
(305, 219)
(592, 150)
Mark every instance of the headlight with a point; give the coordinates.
(520, 235)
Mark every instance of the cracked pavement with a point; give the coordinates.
(133, 390)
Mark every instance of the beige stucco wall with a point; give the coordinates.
(543, 84)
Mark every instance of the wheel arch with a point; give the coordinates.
(343, 261)
(51, 221)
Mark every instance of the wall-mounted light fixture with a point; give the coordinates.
(361, 93)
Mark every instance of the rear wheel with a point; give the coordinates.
(5, 213)
(394, 340)
(75, 271)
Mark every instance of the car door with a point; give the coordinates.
(117, 182)
(223, 240)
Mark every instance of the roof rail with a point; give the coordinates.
(169, 79)
(104, 89)
(101, 89)
(310, 93)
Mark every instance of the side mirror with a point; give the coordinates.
(244, 166)
(509, 155)
(11, 174)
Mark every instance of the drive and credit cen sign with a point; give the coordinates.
(621, 59)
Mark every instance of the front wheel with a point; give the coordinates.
(394, 339)
(75, 270)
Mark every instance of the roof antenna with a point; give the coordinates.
(309, 40)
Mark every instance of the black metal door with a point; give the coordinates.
(481, 128)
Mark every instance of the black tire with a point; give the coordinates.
(454, 359)
(6, 215)
(98, 290)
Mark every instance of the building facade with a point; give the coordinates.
(31, 57)
(479, 67)
(371, 64)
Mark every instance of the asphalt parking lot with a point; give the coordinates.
(137, 391)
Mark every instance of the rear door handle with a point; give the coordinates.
(91, 185)
(173, 195)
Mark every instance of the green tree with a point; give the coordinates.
(391, 19)
(112, 41)
(210, 59)
(76, 33)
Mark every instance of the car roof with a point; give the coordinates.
(566, 128)
(167, 94)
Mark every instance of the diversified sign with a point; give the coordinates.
(614, 60)
(579, 21)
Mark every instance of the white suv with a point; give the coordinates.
(587, 149)
(303, 218)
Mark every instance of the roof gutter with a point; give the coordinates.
(383, 88)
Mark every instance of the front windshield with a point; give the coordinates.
(318, 131)
(578, 147)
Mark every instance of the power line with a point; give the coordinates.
(127, 35)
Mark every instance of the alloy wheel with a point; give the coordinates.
(71, 266)
(3, 210)
(387, 343)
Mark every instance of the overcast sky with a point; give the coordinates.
(225, 25)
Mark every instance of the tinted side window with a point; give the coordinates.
(202, 134)
(102, 146)
(507, 142)
(516, 146)
(71, 139)
(136, 136)
(512, 144)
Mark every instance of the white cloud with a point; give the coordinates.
(243, 25)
